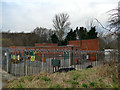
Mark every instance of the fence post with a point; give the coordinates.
(69, 59)
(72, 56)
(15, 62)
(24, 63)
(7, 57)
(96, 60)
(42, 60)
(50, 65)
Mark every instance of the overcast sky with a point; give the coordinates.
(25, 15)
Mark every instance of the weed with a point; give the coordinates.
(58, 86)
(92, 84)
(75, 82)
(102, 84)
(55, 86)
(29, 78)
(73, 71)
(67, 88)
(37, 78)
(11, 81)
(84, 85)
(20, 86)
(100, 79)
(21, 80)
(74, 86)
(75, 77)
(114, 86)
(113, 79)
(45, 78)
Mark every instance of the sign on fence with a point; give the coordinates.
(32, 58)
(55, 62)
(66, 55)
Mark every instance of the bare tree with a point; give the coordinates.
(114, 29)
(114, 20)
(114, 23)
(61, 23)
(43, 33)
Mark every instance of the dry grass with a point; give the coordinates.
(104, 76)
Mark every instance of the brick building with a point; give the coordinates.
(91, 44)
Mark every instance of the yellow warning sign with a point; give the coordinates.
(18, 57)
(32, 58)
(13, 57)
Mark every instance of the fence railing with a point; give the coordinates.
(28, 62)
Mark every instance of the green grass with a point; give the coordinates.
(20, 86)
(84, 85)
(55, 86)
(92, 84)
(75, 76)
(102, 85)
(95, 77)
(74, 82)
(37, 78)
(100, 79)
(45, 78)
(29, 78)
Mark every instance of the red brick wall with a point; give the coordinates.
(91, 44)
(16, 47)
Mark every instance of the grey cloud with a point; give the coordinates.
(28, 14)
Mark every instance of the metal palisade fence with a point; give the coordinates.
(21, 62)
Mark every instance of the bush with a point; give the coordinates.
(84, 85)
(92, 84)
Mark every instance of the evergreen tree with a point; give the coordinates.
(62, 43)
(92, 33)
(82, 33)
(54, 38)
(71, 35)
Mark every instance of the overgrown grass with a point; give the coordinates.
(45, 78)
(75, 76)
(104, 76)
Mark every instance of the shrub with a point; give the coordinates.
(84, 85)
(92, 84)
